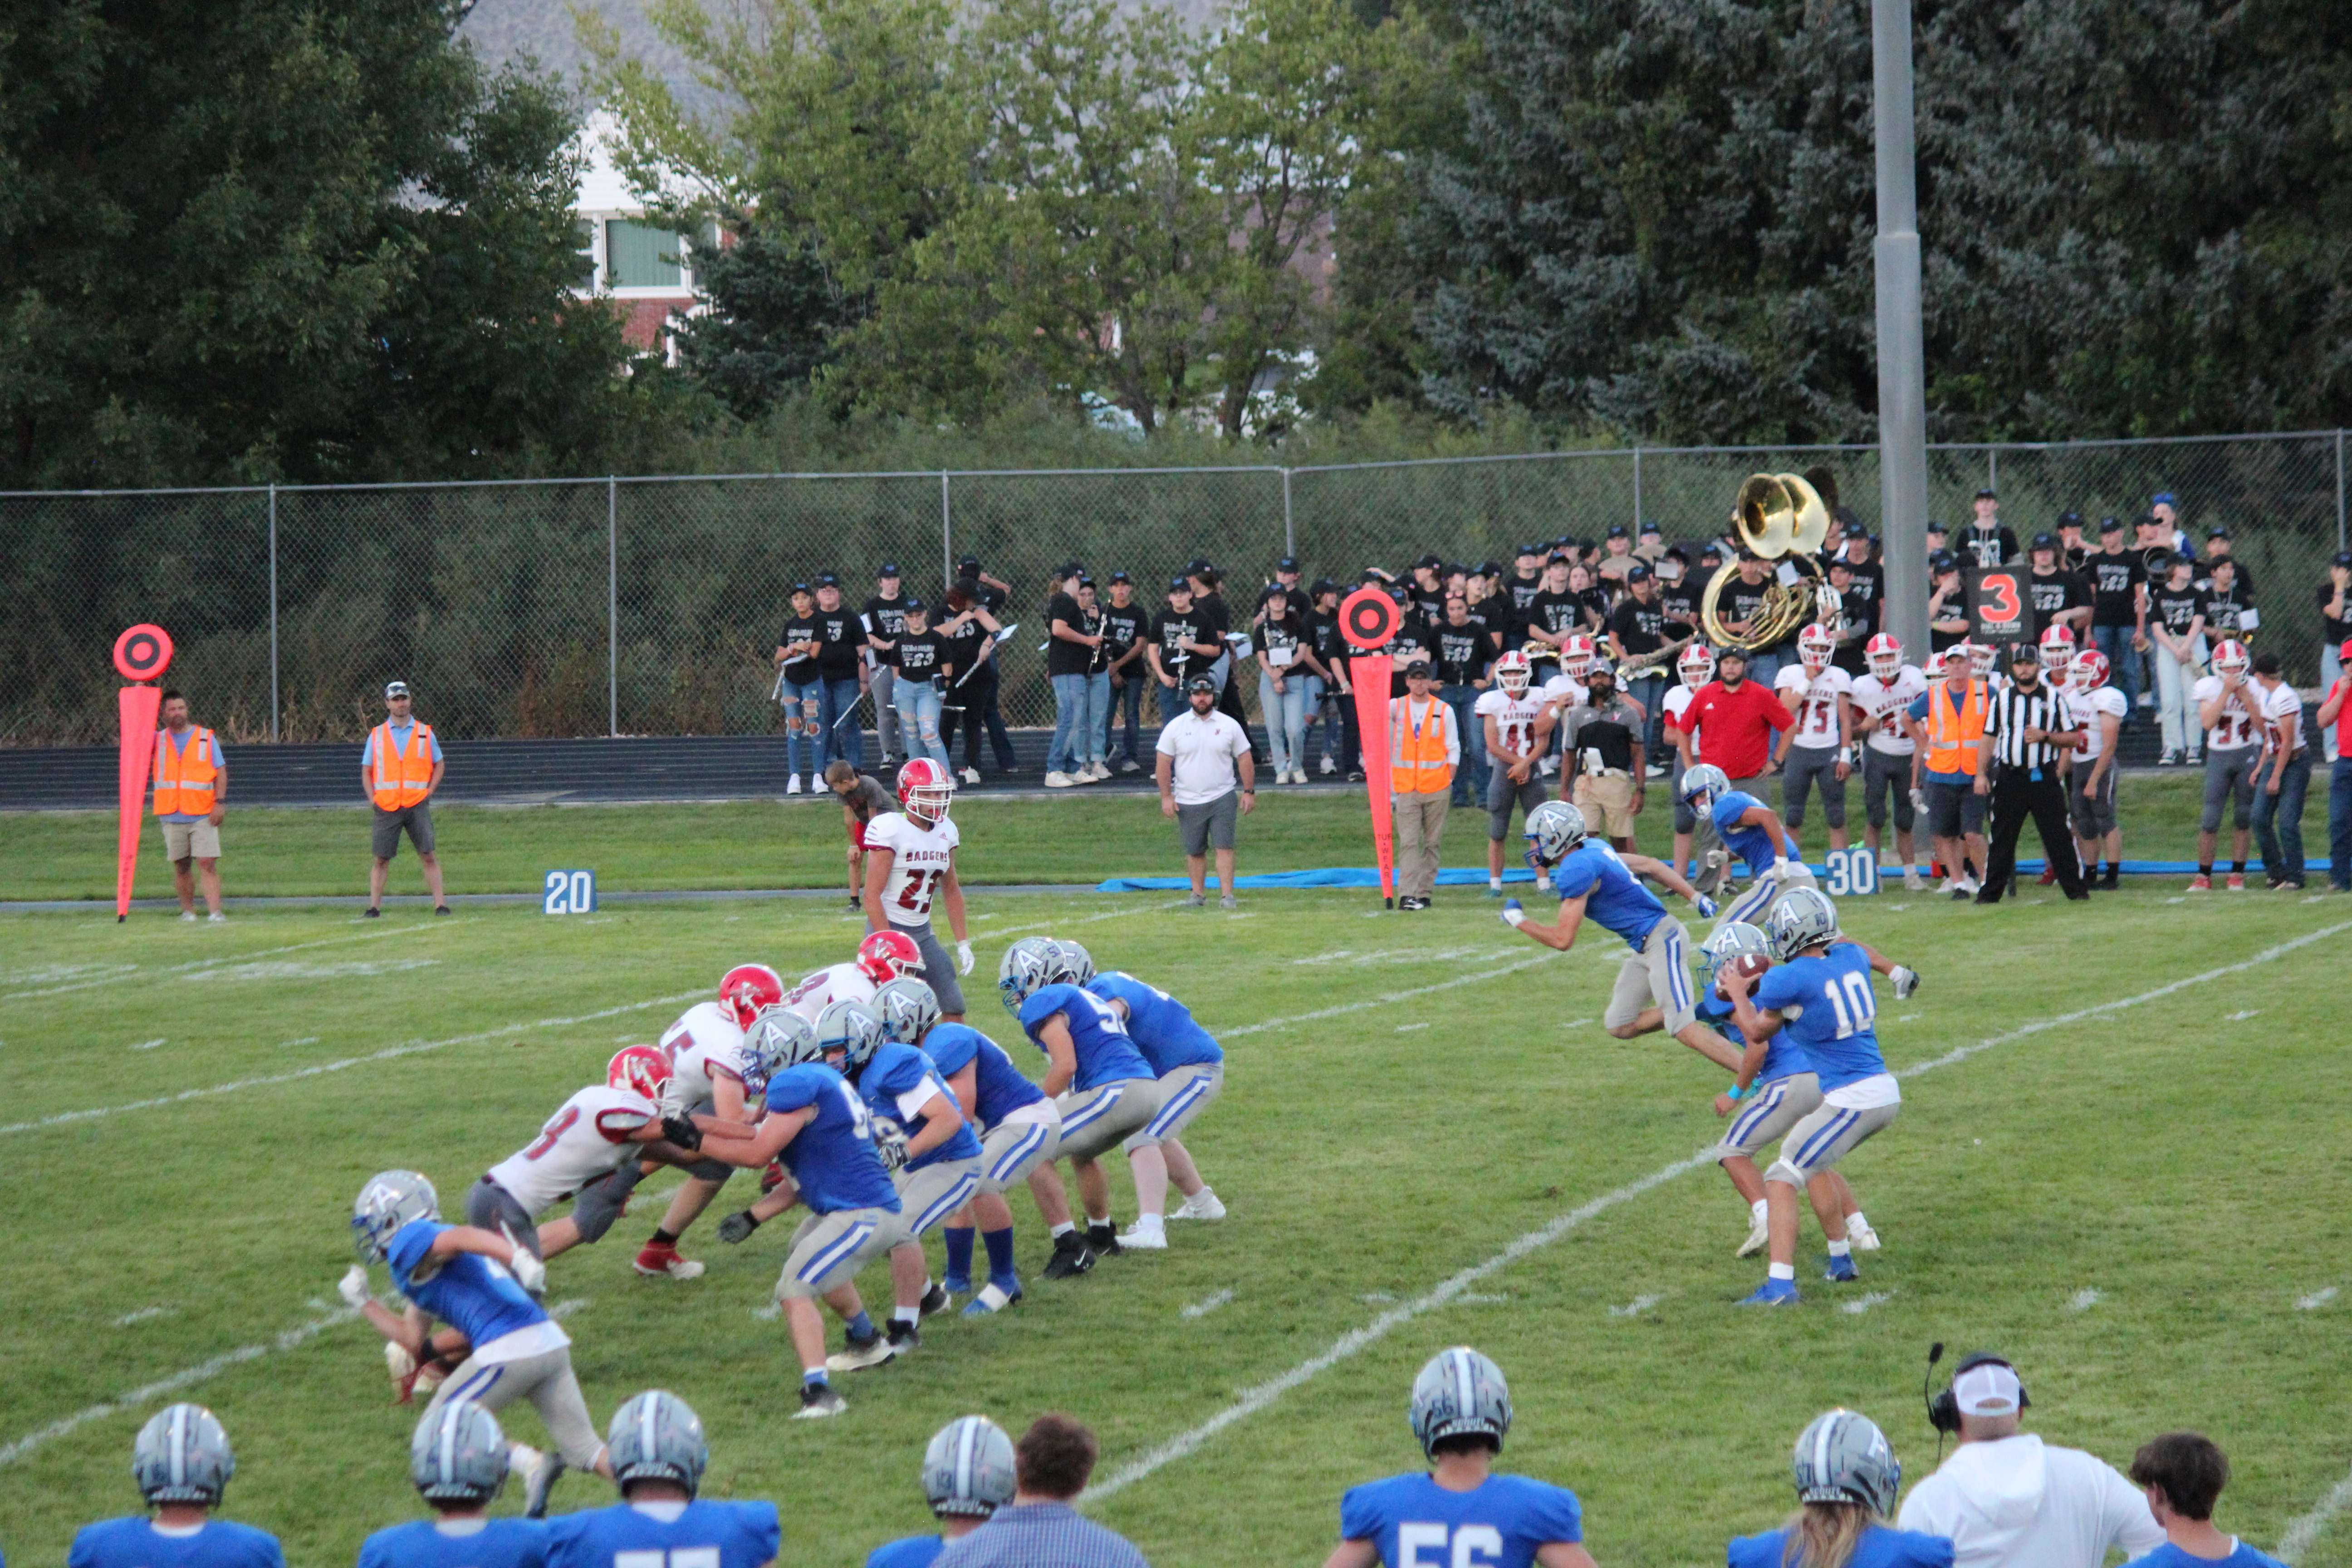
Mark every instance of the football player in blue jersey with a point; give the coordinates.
(1785, 1090)
(1099, 1082)
(181, 1463)
(458, 1460)
(818, 1125)
(1192, 1069)
(1594, 882)
(1751, 831)
(1459, 1511)
(923, 1137)
(659, 1458)
(1847, 1481)
(967, 1475)
(481, 1285)
(1020, 1130)
(1819, 991)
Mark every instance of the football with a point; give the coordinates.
(1752, 963)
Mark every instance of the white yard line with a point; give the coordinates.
(2303, 1533)
(1207, 1304)
(148, 1044)
(1636, 1306)
(142, 1315)
(1345, 1007)
(2084, 1299)
(1860, 1304)
(1357, 1340)
(199, 965)
(389, 1053)
(2316, 1300)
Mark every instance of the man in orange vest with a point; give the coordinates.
(1424, 748)
(1949, 765)
(191, 789)
(400, 770)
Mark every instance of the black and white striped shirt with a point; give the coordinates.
(2013, 713)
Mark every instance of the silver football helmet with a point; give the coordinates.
(182, 1455)
(1801, 918)
(458, 1455)
(908, 1009)
(851, 1028)
(968, 1468)
(1077, 964)
(1028, 966)
(657, 1436)
(1554, 828)
(1844, 1457)
(1736, 940)
(391, 1199)
(781, 1039)
(1706, 780)
(1460, 1394)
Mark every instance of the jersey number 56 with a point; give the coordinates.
(1437, 1546)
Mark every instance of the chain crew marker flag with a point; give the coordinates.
(1369, 619)
(141, 655)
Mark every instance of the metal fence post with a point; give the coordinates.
(273, 578)
(1637, 491)
(947, 546)
(1290, 533)
(612, 605)
(2339, 490)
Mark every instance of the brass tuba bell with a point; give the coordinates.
(1782, 518)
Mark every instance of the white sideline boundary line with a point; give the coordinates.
(342, 1064)
(197, 965)
(1357, 1340)
(2303, 1533)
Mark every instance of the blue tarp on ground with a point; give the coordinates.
(1470, 876)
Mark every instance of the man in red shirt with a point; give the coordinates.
(1732, 719)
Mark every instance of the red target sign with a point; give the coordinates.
(1369, 619)
(143, 653)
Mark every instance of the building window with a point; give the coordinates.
(639, 256)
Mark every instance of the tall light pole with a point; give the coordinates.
(1902, 367)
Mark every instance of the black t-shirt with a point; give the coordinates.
(1596, 607)
(2221, 609)
(885, 619)
(1641, 629)
(1987, 549)
(1524, 591)
(2173, 608)
(1412, 641)
(1464, 652)
(987, 598)
(1122, 624)
(1866, 597)
(1429, 604)
(1680, 599)
(918, 656)
(1557, 614)
(2242, 589)
(2332, 630)
(1211, 609)
(1323, 635)
(963, 646)
(1284, 635)
(2055, 591)
(839, 636)
(1064, 657)
(1172, 631)
(1742, 600)
(2115, 586)
(800, 628)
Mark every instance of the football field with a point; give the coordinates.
(2121, 1160)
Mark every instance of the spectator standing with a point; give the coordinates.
(2283, 778)
(1425, 753)
(1586, 584)
(1948, 604)
(916, 662)
(1198, 753)
(2334, 716)
(1733, 719)
(1209, 603)
(1601, 770)
(2182, 1475)
(841, 674)
(1334, 695)
(2164, 511)
(990, 594)
(1553, 616)
(2071, 551)
(1039, 1528)
(1090, 744)
(800, 691)
(2335, 601)
(884, 618)
(1182, 642)
(2229, 603)
(1948, 730)
(2118, 584)
(1644, 644)
(1285, 660)
(2031, 729)
(1526, 581)
(2099, 712)
(1464, 645)
(2006, 1500)
(1679, 593)
(2177, 618)
(1741, 604)
(1124, 625)
(1070, 652)
(863, 798)
(2230, 712)
(399, 771)
(2060, 597)
(1989, 541)
(971, 630)
(1651, 545)
(1426, 591)
(2218, 549)
(1617, 556)
(190, 780)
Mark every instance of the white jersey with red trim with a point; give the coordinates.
(2240, 723)
(834, 983)
(2083, 709)
(704, 1045)
(919, 859)
(1815, 698)
(1515, 717)
(584, 1141)
(1677, 703)
(1882, 707)
(2279, 702)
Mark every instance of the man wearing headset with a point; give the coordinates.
(2006, 1500)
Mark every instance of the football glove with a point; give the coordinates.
(963, 958)
(736, 1228)
(1704, 905)
(891, 1144)
(1514, 914)
(354, 1286)
(1907, 981)
(528, 1270)
(681, 1131)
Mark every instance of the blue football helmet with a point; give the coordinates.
(458, 1455)
(657, 1436)
(391, 1199)
(1028, 966)
(182, 1455)
(968, 1468)
(1704, 784)
(1843, 1457)
(1735, 940)
(1077, 964)
(1801, 918)
(1555, 829)
(1460, 1393)
(908, 1009)
(851, 1028)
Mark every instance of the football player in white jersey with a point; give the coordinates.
(1693, 667)
(910, 863)
(1882, 707)
(705, 1048)
(1814, 750)
(2099, 711)
(1567, 690)
(1517, 730)
(2230, 709)
(881, 957)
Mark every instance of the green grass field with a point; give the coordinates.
(2135, 1185)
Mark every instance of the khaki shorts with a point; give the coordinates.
(828, 1250)
(1658, 973)
(1765, 1119)
(1096, 1119)
(185, 840)
(1607, 802)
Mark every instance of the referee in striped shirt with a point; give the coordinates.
(2029, 729)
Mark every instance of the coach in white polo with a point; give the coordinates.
(1198, 753)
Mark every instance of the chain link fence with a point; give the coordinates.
(649, 606)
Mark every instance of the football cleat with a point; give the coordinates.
(1203, 1205)
(1772, 1293)
(1840, 1270)
(859, 1355)
(1072, 1256)
(1102, 1240)
(1143, 1238)
(2235, 882)
(1859, 1234)
(538, 1472)
(992, 1298)
(2200, 883)
(904, 1337)
(664, 1263)
(1759, 1232)
(818, 1401)
(935, 1299)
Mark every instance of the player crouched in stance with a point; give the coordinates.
(181, 1463)
(1099, 1082)
(1846, 1481)
(1593, 880)
(1192, 1069)
(708, 1078)
(1785, 1091)
(1459, 1511)
(967, 1475)
(480, 1284)
(659, 1458)
(458, 1460)
(910, 863)
(1750, 830)
(1819, 992)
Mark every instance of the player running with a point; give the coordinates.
(1459, 1511)
(182, 1464)
(1653, 988)
(881, 957)
(967, 1475)
(1515, 734)
(482, 1284)
(1819, 992)
(1750, 830)
(659, 1458)
(705, 1048)
(1099, 1083)
(457, 1459)
(910, 863)
(1192, 1069)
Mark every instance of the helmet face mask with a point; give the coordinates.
(2089, 671)
(390, 1200)
(643, 1069)
(1576, 656)
(1814, 646)
(1027, 967)
(851, 1029)
(1511, 672)
(2056, 649)
(1696, 664)
(2231, 658)
(1982, 656)
(1555, 829)
(1703, 785)
(926, 791)
(1884, 657)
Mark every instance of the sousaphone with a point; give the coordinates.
(1783, 519)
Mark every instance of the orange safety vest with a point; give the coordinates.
(1417, 764)
(185, 777)
(1953, 732)
(403, 780)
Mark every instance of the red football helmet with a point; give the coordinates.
(1576, 656)
(2089, 670)
(1983, 657)
(1696, 664)
(644, 1069)
(926, 790)
(1511, 673)
(746, 989)
(1883, 655)
(2231, 658)
(1815, 644)
(888, 954)
(2057, 649)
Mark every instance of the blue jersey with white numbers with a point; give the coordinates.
(831, 1157)
(998, 1088)
(134, 1542)
(895, 1072)
(1105, 1053)
(1878, 1548)
(1750, 843)
(1414, 1523)
(468, 1292)
(914, 1552)
(1827, 1005)
(1161, 1026)
(1782, 1056)
(498, 1544)
(1613, 897)
(701, 1534)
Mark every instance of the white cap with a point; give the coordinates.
(1987, 1389)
